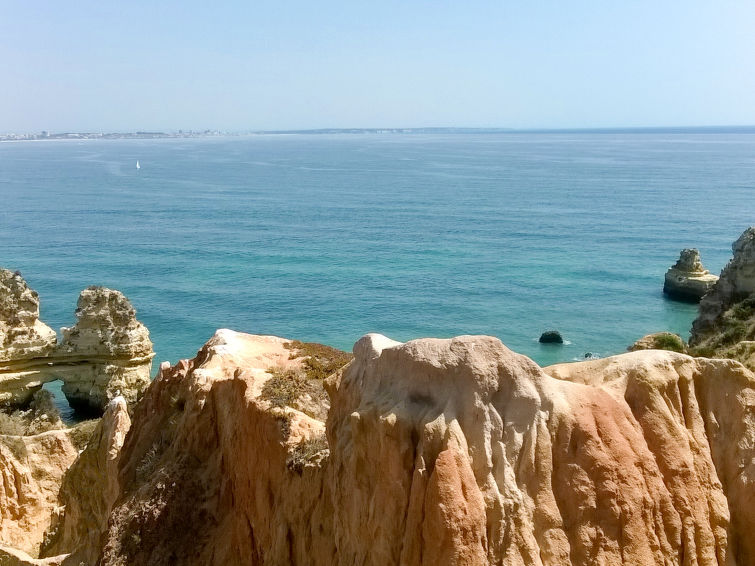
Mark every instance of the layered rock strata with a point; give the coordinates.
(107, 353)
(115, 346)
(725, 325)
(687, 279)
(439, 452)
(23, 337)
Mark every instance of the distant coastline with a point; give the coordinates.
(45, 136)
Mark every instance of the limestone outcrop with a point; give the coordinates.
(115, 346)
(725, 326)
(107, 353)
(89, 490)
(687, 279)
(660, 341)
(23, 336)
(439, 452)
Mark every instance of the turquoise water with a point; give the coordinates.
(325, 238)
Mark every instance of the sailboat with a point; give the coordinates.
(137, 164)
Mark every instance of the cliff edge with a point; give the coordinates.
(436, 451)
(725, 326)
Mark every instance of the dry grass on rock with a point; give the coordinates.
(302, 389)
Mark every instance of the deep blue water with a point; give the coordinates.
(325, 238)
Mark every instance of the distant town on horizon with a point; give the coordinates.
(45, 135)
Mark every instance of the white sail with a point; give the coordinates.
(137, 164)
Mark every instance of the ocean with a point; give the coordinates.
(327, 237)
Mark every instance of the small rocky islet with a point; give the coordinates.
(687, 279)
(265, 450)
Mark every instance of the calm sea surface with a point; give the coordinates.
(325, 238)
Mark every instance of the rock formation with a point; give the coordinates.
(439, 452)
(687, 279)
(115, 345)
(23, 337)
(551, 337)
(31, 470)
(108, 352)
(89, 490)
(660, 341)
(205, 470)
(725, 326)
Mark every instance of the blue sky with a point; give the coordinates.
(277, 65)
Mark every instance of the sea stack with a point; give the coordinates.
(107, 352)
(116, 346)
(687, 279)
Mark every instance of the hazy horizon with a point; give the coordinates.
(705, 128)
(589, 65)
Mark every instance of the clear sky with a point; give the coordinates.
(105, 66)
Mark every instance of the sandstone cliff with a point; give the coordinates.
(89, 490)
(725, 326)
(687, 279)
(439, 452)
(31, 470)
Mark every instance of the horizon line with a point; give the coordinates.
(746, 128)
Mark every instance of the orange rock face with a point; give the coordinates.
(89, 490)
(31, 470)
(440, 452)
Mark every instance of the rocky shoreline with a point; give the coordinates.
(265, 450)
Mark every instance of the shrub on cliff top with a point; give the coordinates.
(302, 389)
(320, 360)
(668, 341)
(40, 416)
(81, 432)
(285, 387)
(13, 424)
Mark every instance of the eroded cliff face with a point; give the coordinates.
(439, 452)
(23, 337)
(205, 469)
(88, 491)
(31, 471)
(725, 326)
